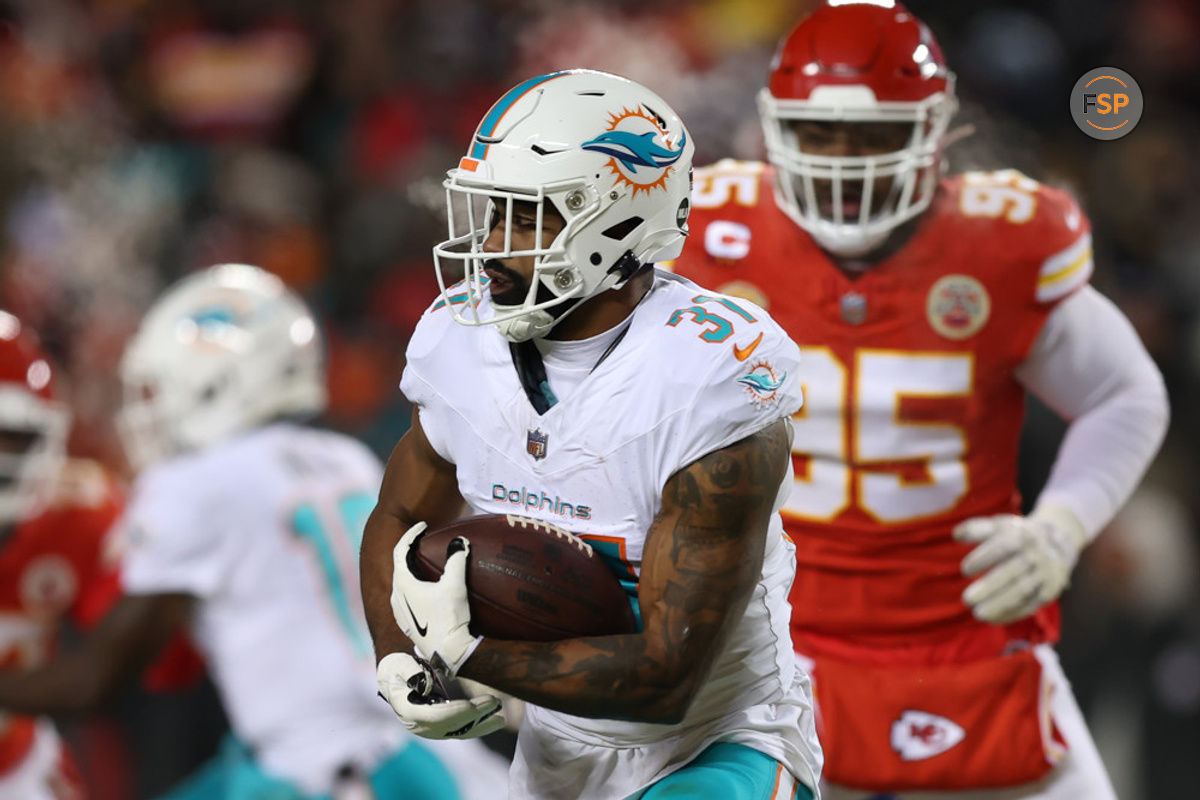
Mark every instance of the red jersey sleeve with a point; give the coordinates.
(1065, 241)
(87, 503)
(1044, 226)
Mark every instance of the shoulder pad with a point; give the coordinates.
(1041, 224)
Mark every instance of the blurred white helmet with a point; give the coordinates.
(33, 423)
(221, 352)
(610, 156)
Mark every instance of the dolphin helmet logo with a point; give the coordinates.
(630, 143)
(214, 317)
(635, 150)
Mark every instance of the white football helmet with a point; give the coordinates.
(33, 423)
(222, 351)
(863, 62)
(610, 156)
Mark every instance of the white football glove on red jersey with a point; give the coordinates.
(418, 699)
(1028, 561)
(435, 615)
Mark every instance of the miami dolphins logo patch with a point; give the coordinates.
(639, 149)
(762, 384)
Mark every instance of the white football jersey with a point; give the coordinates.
(695, 372)
(264, 531)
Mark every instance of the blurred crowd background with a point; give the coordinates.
(140, 140)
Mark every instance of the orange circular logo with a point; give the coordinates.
(1106, 103)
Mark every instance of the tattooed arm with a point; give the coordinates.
(702, 559)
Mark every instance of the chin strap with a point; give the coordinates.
(626, 267)
(532, 373)
(537, 324)
(524, 328)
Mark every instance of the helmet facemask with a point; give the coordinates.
(475, 211)
(890, 188)
(142, 422)
(33, 435)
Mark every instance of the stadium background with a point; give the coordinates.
(140, 140)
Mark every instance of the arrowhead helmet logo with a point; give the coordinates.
(918, 735)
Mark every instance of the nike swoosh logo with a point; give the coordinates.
(742, 353)
(421, 629)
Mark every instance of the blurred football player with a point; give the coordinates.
(566, 364)
(244, 525)
(54, 514)
(925, 308)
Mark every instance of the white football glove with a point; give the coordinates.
(514, 707)
(435, 615)
(1028, 561)
(418, 699)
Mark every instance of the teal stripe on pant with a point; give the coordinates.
(413, 773)
(725, 770)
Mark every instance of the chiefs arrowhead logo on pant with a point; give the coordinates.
(918, 735)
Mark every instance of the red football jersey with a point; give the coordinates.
(53, 565)
(912, 413)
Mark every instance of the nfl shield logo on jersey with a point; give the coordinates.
(853, 307)
(535, 445)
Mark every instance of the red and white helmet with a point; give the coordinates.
(866, 61)
(33, 423)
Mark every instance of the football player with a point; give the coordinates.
(926, 307)
(243, 524)
(565, 363)
(54, 514)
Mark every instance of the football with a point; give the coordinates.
(529, 580)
